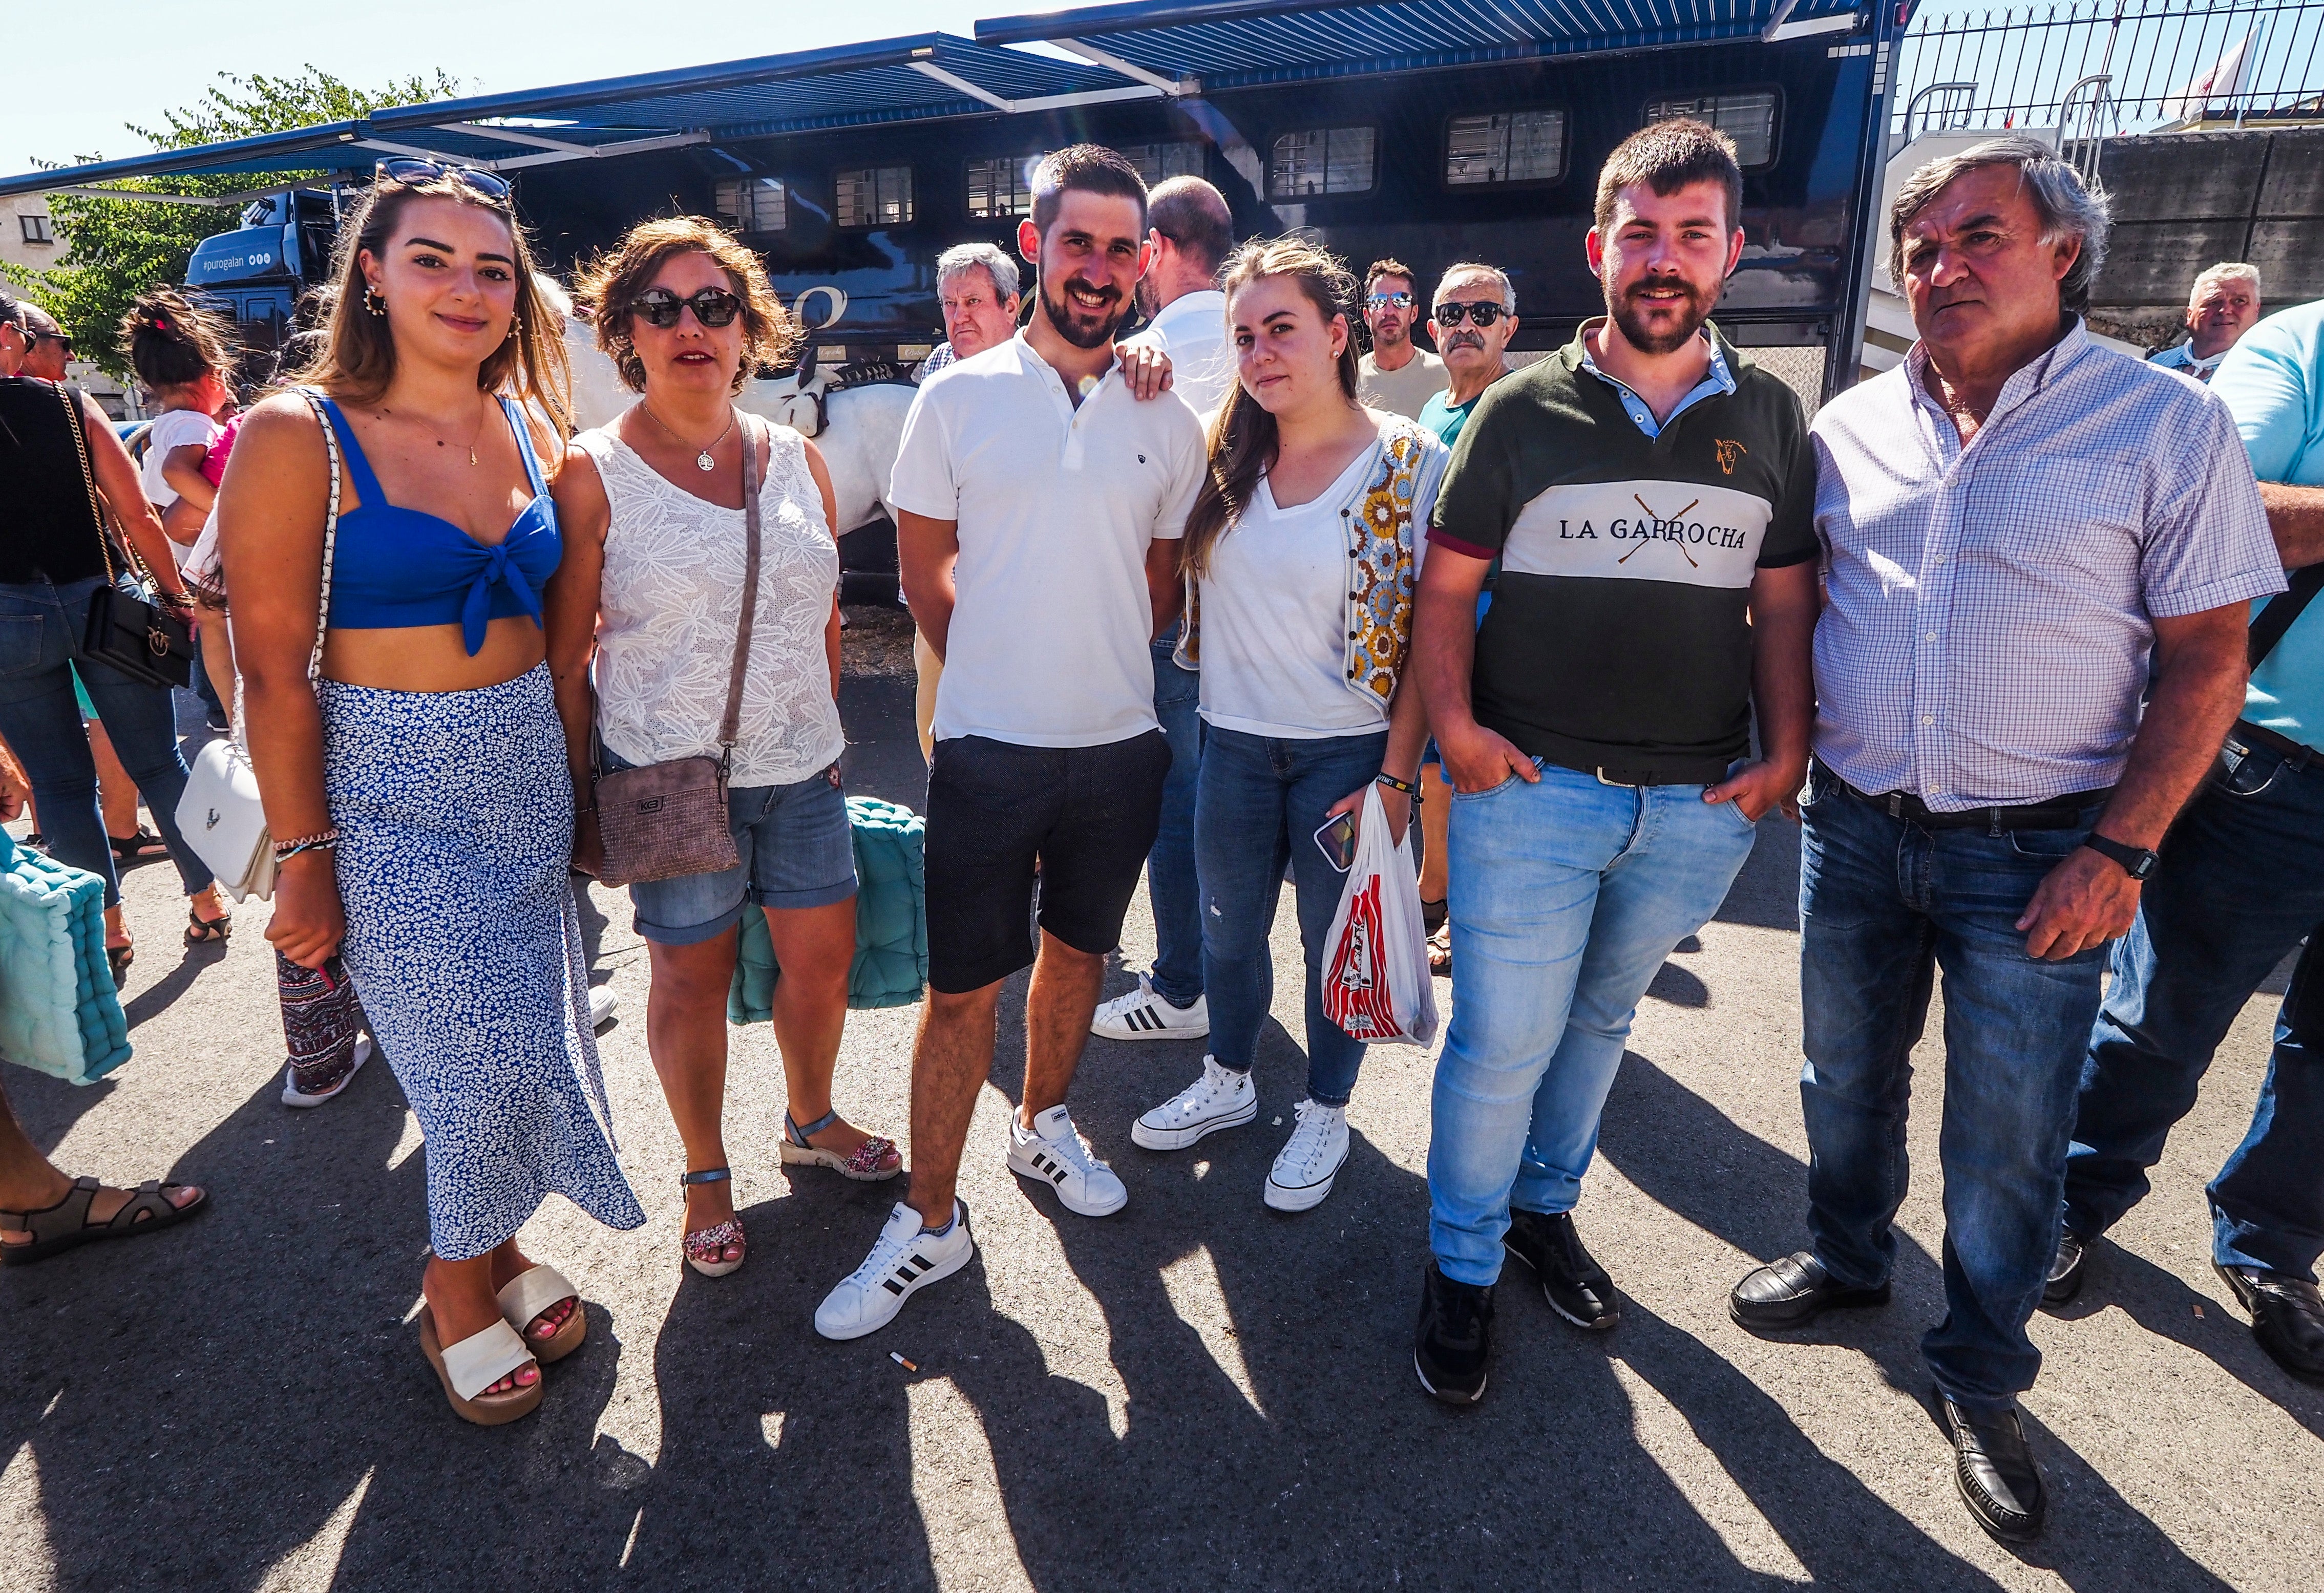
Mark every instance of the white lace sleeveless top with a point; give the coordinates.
(671, 599)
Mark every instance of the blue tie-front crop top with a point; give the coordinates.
(391, 569)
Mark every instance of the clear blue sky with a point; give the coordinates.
(78, 70)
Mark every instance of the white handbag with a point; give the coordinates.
(221, 814)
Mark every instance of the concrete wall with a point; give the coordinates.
(2185, 200)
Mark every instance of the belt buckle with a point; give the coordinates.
(1621, 784)
(1896, 805)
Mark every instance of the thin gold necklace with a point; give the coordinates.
(473, 436)
(702, 461)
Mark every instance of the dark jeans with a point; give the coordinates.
(2241, 882)
(1884, 904)
(1171, 879)
(1261, 804)
(40, 629)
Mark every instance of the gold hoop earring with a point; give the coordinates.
(373, 302)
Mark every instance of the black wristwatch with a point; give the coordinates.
(2136, 860)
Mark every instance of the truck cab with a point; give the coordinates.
(258, 273)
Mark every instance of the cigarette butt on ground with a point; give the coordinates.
(2199, 1310)
(909, 1367)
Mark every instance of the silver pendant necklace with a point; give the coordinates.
(702, 461)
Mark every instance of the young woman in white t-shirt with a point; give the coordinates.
(1300, 554)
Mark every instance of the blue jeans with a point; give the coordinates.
(2242, 880)
(1884, 904)
(1566, 895)
(1170, 875)
(1261, 804)
(40, 629)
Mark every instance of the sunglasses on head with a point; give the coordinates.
(1479, 316)
(410, 169)
(713, 306)
(1382, 301)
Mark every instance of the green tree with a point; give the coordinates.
(116, 249)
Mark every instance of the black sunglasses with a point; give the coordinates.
(410, 169)
(33, 337)
(1478, 315)
(713, 306)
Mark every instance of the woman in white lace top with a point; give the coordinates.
(652, 582)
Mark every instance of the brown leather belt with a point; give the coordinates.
(2060, 812)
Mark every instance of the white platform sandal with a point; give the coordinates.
(475, 1364)
(868, 1165)
(533, 1291)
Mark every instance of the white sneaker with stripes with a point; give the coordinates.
(906, 1258)
(1143, 1013)
(1054, 1153)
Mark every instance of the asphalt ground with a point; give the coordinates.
(1196, 1392)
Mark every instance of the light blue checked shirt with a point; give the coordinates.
(1988, 608)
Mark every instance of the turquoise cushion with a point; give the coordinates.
(60, 1013)
(892, 921)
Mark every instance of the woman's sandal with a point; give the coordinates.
(530, 1294)
(1435, 922)
(706, 1247)
(478, 1362)
(201, 931)
(118, 958)
(128, 849)
(66, 1226)
(868, 1163)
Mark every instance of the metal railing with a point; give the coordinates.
(2096, 69)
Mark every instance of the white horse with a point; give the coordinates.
(858, 429)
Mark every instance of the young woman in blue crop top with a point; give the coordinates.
(416, 791)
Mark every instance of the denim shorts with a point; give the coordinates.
(795, 848)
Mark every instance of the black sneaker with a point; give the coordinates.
(1576, 1287)
(1454, 1339)
(1996, 1473)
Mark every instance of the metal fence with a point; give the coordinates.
(2096, 69)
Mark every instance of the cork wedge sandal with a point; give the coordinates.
(524, 1297)
(478, 1362)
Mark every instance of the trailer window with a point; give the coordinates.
(1156, 161)
(873, 196)
(1748, 118)
(1002, 187)
(1512, 146)
(754, 204)
(1321, 161)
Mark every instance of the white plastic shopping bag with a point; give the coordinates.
(1377, 985)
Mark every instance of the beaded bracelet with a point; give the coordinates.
(294, 846)
(318, 845)
(1393, 784)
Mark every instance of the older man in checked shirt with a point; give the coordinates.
(2014, 520)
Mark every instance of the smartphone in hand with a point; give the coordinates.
(1338, 839)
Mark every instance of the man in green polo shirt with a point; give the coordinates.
(1650, 495)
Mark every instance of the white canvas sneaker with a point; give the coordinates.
(904, 1258)
(1056, 1155)
(603, 1004)
(1143, 1015)
(1221, 1098)
(1302, 1176)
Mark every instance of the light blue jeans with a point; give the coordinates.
(1566, 895)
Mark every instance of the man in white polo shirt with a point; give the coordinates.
(1039, 506)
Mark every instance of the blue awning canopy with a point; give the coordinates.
(1145, 49)
(912, 79)
(1219, 44)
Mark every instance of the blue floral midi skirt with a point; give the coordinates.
(455, 813)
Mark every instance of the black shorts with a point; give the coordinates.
(1087, 815)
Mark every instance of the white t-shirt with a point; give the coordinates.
(1191, 329)
(1275, 619)
(1055, 506)
(173, 428)
(1405, 388)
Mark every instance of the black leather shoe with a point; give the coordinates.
(1792, 1292)
(1996, 1473)
(1454, 1339)
(2287, 1318)
(1576, 1287)
(2065, 1279)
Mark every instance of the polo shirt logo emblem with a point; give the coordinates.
(1729, 452)
(1669, 529)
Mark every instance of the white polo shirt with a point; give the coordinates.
(1055, 506)
(1191, 329)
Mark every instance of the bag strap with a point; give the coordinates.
(2282, 608)
(730, 728)
(68, 397)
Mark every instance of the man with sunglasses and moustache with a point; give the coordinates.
(1396, 374)
(1039, 505)
(1650, 495)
